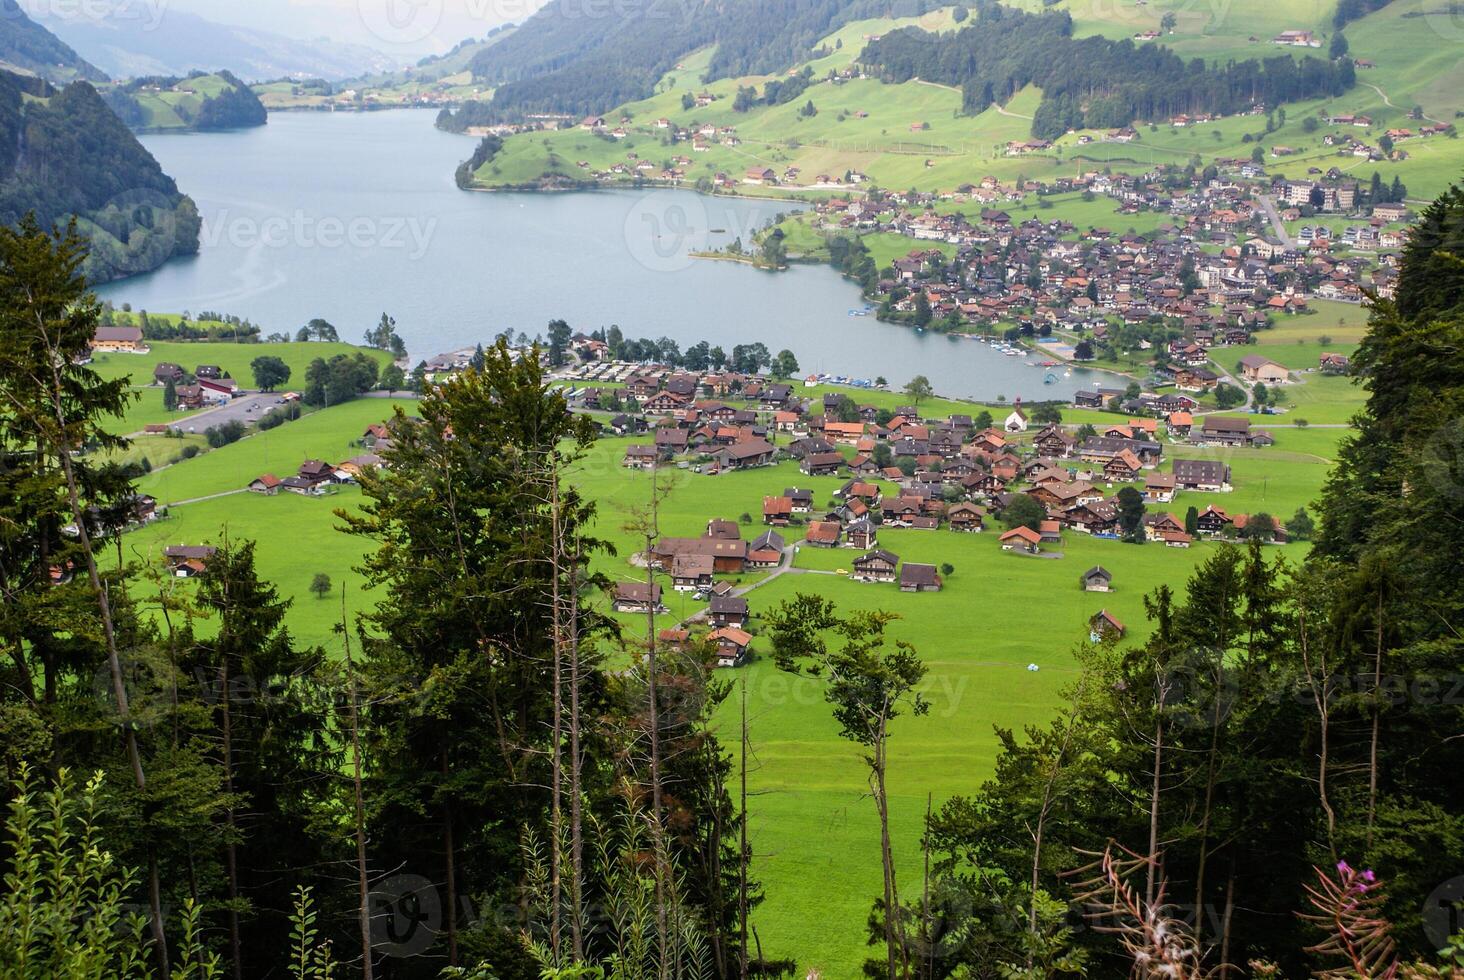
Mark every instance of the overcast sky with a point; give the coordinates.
(409, 28)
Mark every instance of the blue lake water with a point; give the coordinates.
(346, 216)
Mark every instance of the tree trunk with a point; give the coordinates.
(1322, 698)
(449, 849)
(114, 659)
(662, 936)
(363, 886)
(896, 954)
(1151, 873)
(1377, 722)
(742, 843)
(1225, 923)
(231, 852)
(1211, 765)
(556, 808)
(576, 814)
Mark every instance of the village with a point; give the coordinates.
(1023, 477)
(1212, 271)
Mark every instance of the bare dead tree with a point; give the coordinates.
(64, 443)
(358, 802)
(742, 836)
(576, 768)
(646, 525)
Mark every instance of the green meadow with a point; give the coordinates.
(810, 811)
(914, 135)
(234, 359)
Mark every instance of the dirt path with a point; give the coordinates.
(1000, 109)
(1389, 102)
(211, 496)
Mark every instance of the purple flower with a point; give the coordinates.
(1343, 868)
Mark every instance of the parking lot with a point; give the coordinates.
(246, 409)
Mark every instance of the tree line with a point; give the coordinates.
(1091, 82)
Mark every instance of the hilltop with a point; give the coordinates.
(201, 101)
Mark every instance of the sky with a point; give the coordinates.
(404, 28)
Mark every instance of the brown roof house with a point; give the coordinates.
(692, 572)
(122, 340)
(732, 644)
(1104, 625)
(637, 597)
(823, 534)
(728, 611)
(919, 578)
(876, 566)
(1254, 367)
(1021, 538)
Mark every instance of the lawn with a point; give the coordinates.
(333, 435)
(234, 359)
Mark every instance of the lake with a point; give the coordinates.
(345, 216)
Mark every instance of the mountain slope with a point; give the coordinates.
(29, 49)
(180, 43)
(562, 60)
(64, 153)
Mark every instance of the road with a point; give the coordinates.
(1269, 205)
(245, 408)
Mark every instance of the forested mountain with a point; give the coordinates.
(29, 48)
(201, 101)
(63, 152)
(1093, 82)
(561, 60)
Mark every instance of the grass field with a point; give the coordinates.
(175, 106)
(913, 134)
(812, 826)
(234, 359)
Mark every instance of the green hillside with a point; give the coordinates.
(200, 102)
(914, 133)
